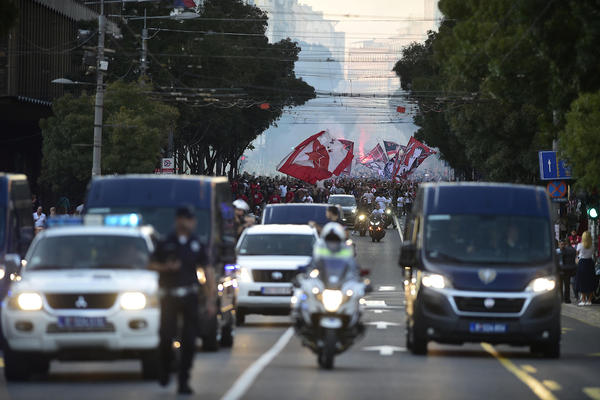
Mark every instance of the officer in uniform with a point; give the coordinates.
(177, 259)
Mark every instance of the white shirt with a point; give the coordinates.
(381, 201)
(582, 252)
(283, 190)
(400, 200)
(369, 196)
(40, 220)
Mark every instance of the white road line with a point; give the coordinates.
(387, 288)
(397, 222)
(243, 383)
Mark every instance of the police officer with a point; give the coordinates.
(332, 242)
(177, 259)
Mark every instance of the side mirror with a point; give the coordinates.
(12, 264)
(364, 272)
(408, 254)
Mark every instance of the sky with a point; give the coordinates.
(365, 121)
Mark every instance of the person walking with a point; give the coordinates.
(177, 259)
(567, 268)
(39, 219)
(585, 269)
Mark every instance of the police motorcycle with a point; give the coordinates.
(376, 226)
(361, 223)
(326, 302)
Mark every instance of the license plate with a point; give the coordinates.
(476, 327)
(277, 291)
(331, 322)
(75, 322)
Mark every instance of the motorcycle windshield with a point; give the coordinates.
(335, 271)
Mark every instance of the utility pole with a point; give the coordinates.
(99, 105)
(143, 61)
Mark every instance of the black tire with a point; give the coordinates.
(16, 365)
(547, 350)
(150, 361)
(378, 240)
(210, 341)
(227, 336)
(372, 239)
(416, 341)
(327, 354)
(363, 233)
(40, 365)
(240, 318)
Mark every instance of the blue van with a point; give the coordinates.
(480, 266)
(156, 198)
(16, 225)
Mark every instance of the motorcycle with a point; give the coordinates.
(326, 307)
(361, 224)
(376, 227)
(388, 217)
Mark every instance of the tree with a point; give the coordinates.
(580, 140)
(134, 136)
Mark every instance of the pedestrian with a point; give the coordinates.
(177, 259)
(52, 212)
(585, 269)
(567, 268)
(39, 219)
(574, 238)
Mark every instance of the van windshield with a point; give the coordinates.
(161, 218)
(485, 239)
(344, 201)
(277, 245)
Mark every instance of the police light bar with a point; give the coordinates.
(63, 220)
(126, 220)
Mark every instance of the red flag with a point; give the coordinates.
(414, 155)
(264, 106)
(375, 155)
(349, 145)
(401, 109)
(317, 158)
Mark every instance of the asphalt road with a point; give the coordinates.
(376, 367)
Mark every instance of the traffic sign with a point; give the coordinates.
(551, 167)
(556, 189)
(168, 165)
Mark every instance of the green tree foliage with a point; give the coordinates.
(217, 70)
(8, 16)
(134, 136)
(494, 83)
(580, 140)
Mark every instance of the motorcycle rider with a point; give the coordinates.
(241, 220)
(332, 243)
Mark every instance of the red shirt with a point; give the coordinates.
(243, 197)
(274, 199)
(289, 197)
(258, 198)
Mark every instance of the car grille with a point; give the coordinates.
(81, 301)
(55, 328)
(273, 275)
(501, 305)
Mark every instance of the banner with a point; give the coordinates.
(375, 155)
(349, 145)
(414, 155)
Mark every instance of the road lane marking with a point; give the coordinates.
(387, 288)
(552, 385)
(594, 355)
(385, 350)
(379, 311)
(592, 392)
(536, 386)
(529, 368)
(245, 381)
(383, 324)
(397, 222)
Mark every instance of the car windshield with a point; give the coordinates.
(161, 218)
(484, 239)
(89, 252)
(344, 201)
(296, 215)
(277, 245)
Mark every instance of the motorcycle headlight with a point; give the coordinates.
(133, 301)
(540, 285)
(361, 217)
(332, 299)
(201, 276)
(245, 275)
(2, 272)
(388, 211)
(29, 301)
(435, 281)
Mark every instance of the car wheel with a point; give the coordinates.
(327, 354)
(16, 365)
(547, 350)
(150, 361)
(227, 336)
(240, 317)
(418, 341)
(373, 239)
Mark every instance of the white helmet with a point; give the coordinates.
(241, 205)
(335, 229)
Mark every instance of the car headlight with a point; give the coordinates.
(2, 272)
(361, 217)
(435, 281)
(354, 211)
(133, 301)
(332, 299)
(245, 275)
(201, 276)
(540, 285)
(29, 301)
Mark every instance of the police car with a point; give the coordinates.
(269, 257)
(84, 293)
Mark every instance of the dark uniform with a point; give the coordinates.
(179, 296)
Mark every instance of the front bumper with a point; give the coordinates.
(252, 300)
(123, 332)
(537, 321)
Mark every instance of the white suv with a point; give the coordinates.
(84, 293)
(269, 257)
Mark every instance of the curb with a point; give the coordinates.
(588, 315)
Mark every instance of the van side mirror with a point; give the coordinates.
(12, 264)
(408, 254)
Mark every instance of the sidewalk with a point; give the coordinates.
(589, 314)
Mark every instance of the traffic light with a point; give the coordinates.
(592, 212)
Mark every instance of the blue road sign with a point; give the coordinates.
(551, 167)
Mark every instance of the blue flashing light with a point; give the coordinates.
(63, 220)
(124, 220)
(231, 267)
